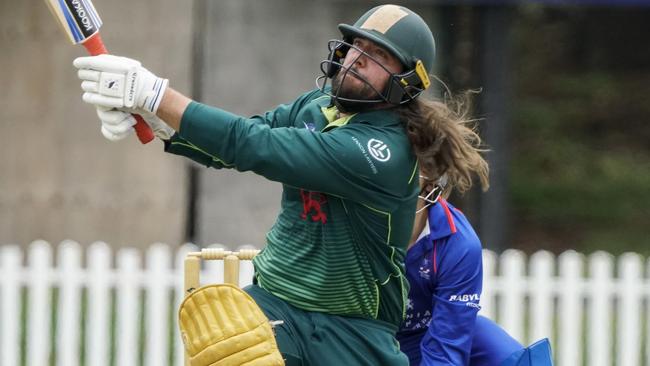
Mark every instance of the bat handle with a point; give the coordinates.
(95, 46)
(142, 129)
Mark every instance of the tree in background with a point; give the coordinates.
(580, 173)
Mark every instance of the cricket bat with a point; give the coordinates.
(80, 21)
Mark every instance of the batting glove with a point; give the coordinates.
(117, 124)
(119, 82)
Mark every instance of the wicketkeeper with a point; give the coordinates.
(347, 155)
(444, 267)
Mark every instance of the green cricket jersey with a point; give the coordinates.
(348, 204)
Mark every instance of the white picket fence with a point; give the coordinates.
(120, 308)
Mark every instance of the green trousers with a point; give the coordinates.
(317, 339)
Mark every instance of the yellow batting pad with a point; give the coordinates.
(221, 325)
(384, 18)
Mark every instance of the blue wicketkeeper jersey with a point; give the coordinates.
(444, 269)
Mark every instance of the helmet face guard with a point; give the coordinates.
(399, 31)
(432, 195)
(400, 88)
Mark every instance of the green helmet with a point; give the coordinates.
(401, 32)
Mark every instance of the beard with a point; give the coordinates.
(354, 95)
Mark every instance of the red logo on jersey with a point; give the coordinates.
(313, 201)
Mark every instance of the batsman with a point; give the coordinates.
(331, 276)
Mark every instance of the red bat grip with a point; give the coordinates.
(95, 46)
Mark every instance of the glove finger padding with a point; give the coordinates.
(221, 325)
(106, 63)
(102, 100)
(115, 117)
(114, 136)
(116, 124)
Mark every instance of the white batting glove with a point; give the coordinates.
(117, 124)
(119, 82)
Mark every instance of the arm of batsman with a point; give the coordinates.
(117, 124)
(119, 82)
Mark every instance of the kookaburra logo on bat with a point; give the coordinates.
(82, 15)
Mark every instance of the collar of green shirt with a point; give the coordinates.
(380, 117)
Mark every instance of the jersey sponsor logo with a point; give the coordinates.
(365, 155)
(379, 150)
(464, 298)
(419, 320)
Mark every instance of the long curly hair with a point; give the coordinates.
(445, 140)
